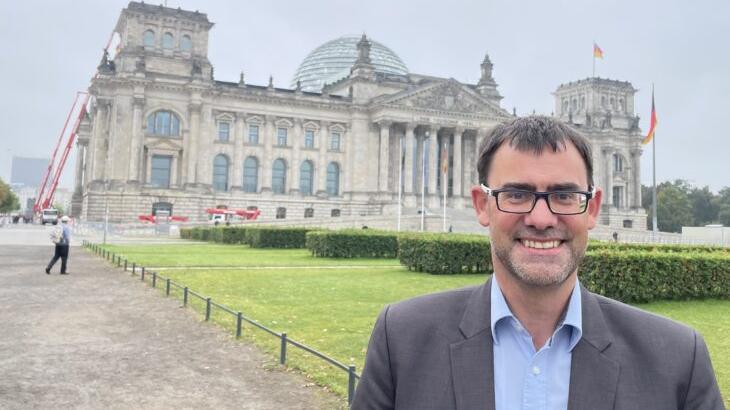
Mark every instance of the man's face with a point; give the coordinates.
(538, 249)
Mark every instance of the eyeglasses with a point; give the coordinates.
(520, 201)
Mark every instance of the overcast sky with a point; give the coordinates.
(50, 49)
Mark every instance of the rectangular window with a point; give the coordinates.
(224, 131)
(618, 196)
(160, 176)
(335, 213)
(335, 141)
(253, 134)
(309, 212)
(309, 139)
(281, 136)
(281, 213)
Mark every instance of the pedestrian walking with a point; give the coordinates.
(61, 237)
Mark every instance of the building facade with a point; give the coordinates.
(163, 133)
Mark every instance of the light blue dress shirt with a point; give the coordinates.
(528, 379)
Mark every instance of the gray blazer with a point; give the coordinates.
(435, 352)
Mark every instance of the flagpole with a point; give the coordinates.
(400, 180)
(655, 228)
(423, 181)
(445, 187)
(594, 58)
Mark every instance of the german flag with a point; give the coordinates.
(597, 52)
(652, 124)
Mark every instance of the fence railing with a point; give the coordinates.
(169, 284)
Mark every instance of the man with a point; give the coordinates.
(532, 337)
(62, 246)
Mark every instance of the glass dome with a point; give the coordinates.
(332, 61)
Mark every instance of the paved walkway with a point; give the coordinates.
(97, 339)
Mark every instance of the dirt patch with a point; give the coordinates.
(99, 339)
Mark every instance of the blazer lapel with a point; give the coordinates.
(593, 375)
(472, 363)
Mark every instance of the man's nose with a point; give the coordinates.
(541, 217)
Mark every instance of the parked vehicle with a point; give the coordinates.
(49, 216)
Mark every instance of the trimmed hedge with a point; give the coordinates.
(276, 237)
(651, 247)
(646, 276)
(353, 243)
(444, 254)
(256, 237)
(627, 275)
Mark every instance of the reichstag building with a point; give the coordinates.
(163, 133)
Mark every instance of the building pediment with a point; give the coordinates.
(164, 144)
(447, 96)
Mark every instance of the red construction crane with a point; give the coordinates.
(45, 198)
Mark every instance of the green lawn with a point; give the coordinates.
(333, 308)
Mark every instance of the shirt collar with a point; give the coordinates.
(573, 315)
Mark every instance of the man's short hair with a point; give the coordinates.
(534, 133)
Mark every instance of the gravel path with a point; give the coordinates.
(97, 339)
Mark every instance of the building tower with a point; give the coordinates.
(603, 110)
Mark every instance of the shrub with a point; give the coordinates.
(445, 253)
(652, 247)
(646, 276)
(353, 243)
(186, 233)
(262, 237)
(233, 235)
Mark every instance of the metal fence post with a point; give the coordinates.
(239, 318)
(119, 261)
(125, 265)
(185, 296)
(350, 384)
(167, 287)
(207, 309)
(154, 279)
(282, 357)
(142, 274)
(134, 268)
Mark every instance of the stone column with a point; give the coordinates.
(432, 163)
(268, 136)
(457, 172)
(320, 167)
(237, 183)
(296, 141)
(408, 166)
(384, 155)
(135, 146)
(608, 177)
(78, 183)
(636, 177)
(191, 160)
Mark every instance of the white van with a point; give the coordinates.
(49, 216)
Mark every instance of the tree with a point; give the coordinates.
(723, 205)
(673, 206)
(8, 200)
(704, 206)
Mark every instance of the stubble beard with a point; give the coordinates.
(532, 274)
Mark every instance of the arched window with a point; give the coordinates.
(305, 177)
(163, 123)
(335, 141)
(250, 174)
(333, 179)
(220, 173)
(278, 177)
(149, 38)
(618, 163)
(168, 40)
(186, 44)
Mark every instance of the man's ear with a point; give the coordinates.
(479, 200)
(594, 208)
